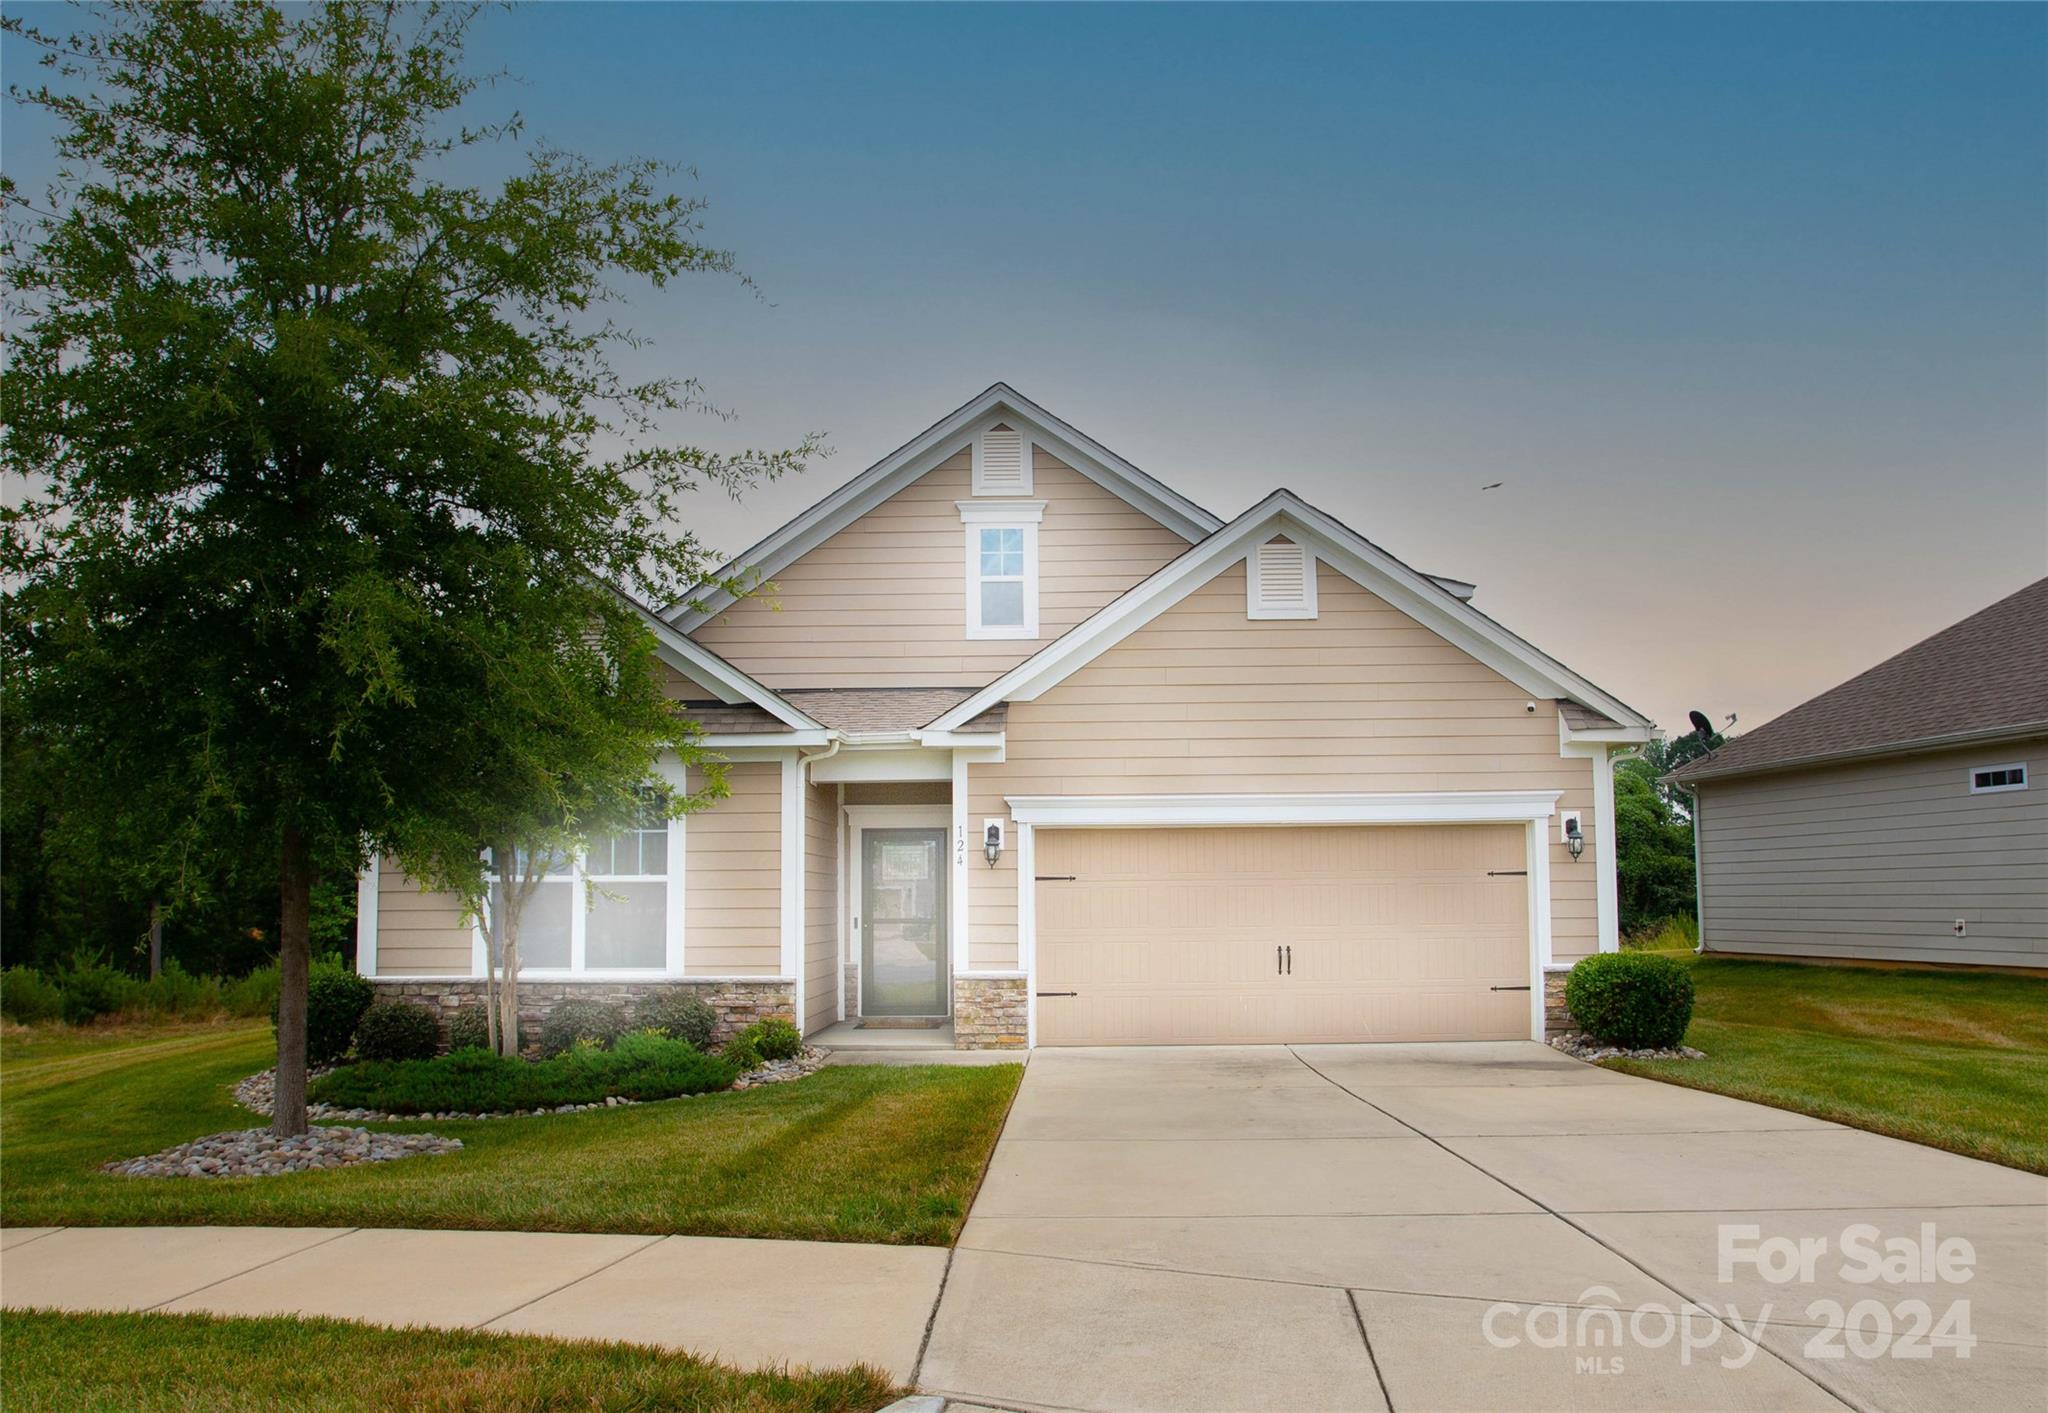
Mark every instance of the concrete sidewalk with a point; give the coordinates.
(750, 1304)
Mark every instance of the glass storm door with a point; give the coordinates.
(903, 922)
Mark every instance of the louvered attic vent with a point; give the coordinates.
(1281, 582)
(1002, 463)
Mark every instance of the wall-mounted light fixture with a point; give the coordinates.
(992, 841)
(1573, 839)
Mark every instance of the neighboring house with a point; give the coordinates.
(1900, 817)
(1024, 741)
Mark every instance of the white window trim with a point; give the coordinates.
(1254, 607)
(2025, 779)
(1020, 515)
(1025, 457)
(579, 880)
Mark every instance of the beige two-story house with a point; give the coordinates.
(1024, 743)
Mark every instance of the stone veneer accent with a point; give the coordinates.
(738, 1003)
(989, 1012)
(1556, 1017)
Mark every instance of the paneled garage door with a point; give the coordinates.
(1196, 936)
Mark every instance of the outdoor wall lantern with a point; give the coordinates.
(1574, 840)
(992, 843)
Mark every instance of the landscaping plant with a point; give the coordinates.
(640, 1066)
(1637, 1000)
(680, 1015)
(743, 1052)
(470, 1029)
(573, 1023)
(336, 999)
(274, 363)
(397, 1030)
(775, 1038)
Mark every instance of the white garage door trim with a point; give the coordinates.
(1530, 808)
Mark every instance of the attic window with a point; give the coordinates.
(1002, 462)
(1280, 581)
(1002, 567)
(1989, 779)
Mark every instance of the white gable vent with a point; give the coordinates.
(1002, 462)
(1280, 581)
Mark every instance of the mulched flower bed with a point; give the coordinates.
(257, 1152)
(1581, 1046)
(257, 1094)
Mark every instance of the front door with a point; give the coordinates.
(903, 922)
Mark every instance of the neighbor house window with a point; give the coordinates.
(1988, 779)
(1002, 567)
(617, 909)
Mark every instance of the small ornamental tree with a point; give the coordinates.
(325, 449)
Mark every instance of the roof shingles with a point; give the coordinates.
(1986, 674)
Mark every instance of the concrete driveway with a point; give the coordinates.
(1443, 1226)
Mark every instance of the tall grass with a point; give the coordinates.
(1674, 934)
(86, 990)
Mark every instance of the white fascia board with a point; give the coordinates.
(766, 740)
(1606, 735)
(1128, 811)
(980, 746)
(1412, 593)
(944, 438)
(859, 763)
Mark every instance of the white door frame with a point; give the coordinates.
(864, 817)
(1531, 809)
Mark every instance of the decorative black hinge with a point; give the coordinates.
(1507, 873)
(1507, 988)
(1076, 993)
(1052, 878)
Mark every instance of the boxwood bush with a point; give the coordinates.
(1637, 1000)
(397, 1030)
(639, 1066)
(469, 1029)
(573, 1023)
(776, 1038)
(742, 1053)
(680, 1015)
(335, 1001)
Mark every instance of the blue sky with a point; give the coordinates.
(1747, 305)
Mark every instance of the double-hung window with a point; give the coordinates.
(615, 910)
(1002, 567)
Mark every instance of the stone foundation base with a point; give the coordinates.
(1556, 1018)
(989, 1012)
(738, 1003)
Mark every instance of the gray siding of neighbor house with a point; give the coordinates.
(1878, 860)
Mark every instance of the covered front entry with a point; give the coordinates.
(1196, 936)
(902, 917)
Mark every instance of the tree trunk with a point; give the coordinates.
(294, 960)
(156, 939)
(508, 996)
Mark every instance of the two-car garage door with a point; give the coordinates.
(1188, 936)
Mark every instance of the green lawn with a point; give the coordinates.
(853, 1153)
(195, 1361)
(1955, 1060)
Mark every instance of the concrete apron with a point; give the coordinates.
(1335, 1227)
(752, 1304)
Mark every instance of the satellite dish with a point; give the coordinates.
(1700, 725)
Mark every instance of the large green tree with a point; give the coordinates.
(333, 468)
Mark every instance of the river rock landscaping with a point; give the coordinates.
(1582, 1046)
(257, 1152)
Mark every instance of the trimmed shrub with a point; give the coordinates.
(479, 1082)
(94, 989)
(742, 1051)
(397, 1030)
(1637, 1000)
(469, 1029)
(573, 1022)
(775, 1038)
(252, 995)
(26, 995)
(335, 1001)
(680, 1015)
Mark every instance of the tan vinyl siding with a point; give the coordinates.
(678, 688)
(899, 792)
(1203, 701)
(821, 906)
(883, 602)
(1877, 860)
(419, 934)
(733, 877)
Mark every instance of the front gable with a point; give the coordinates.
(889, 594)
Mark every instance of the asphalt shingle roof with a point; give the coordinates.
(1986, 674)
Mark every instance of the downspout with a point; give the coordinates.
(804, 760)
